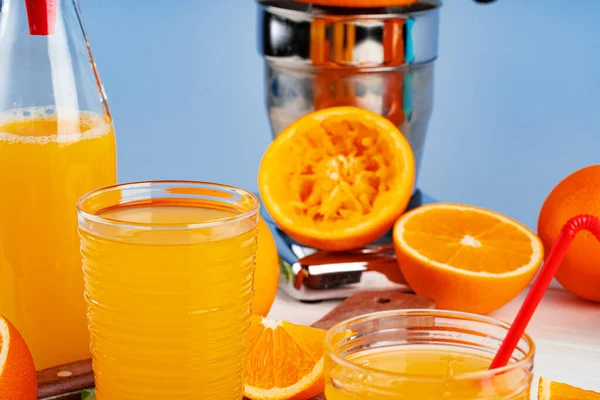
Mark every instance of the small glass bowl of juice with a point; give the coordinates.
(424, 354)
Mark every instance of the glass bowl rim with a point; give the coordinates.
(456, 315)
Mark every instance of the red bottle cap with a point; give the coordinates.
(41, 15)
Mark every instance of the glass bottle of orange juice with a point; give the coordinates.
(56, 144)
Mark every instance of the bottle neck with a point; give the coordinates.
(41, 14)
(45, 59)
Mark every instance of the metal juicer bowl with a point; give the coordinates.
(378, 59)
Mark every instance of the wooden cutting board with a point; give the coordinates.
(67, 382)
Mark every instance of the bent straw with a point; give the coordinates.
(539, 287)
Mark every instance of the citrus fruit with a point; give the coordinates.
(549, 390)
(576, 194)
(18, 380)
(266, 274)
(465, 258)
(338, 178)
(285, 361)
(361, 3)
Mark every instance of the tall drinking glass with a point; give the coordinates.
(425, 355)
(168, 269)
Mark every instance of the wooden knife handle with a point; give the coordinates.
(65, 380)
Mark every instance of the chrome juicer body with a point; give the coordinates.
(378, 59)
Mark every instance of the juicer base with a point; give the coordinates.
(330, 282)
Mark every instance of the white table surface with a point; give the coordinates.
(566, 331)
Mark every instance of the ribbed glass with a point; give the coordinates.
(169, 298)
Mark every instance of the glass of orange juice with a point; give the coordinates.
(168, 270)
(424, 354)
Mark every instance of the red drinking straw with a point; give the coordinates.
(557, 253)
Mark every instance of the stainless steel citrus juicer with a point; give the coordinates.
(380, 59)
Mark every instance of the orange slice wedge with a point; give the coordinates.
(18, 380)
(337, 179)
(549, 390)
(285, 361)
(466, 258)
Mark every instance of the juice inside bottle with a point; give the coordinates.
(179, 296)
(49, 157)
(437, 372)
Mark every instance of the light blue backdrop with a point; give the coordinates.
(516, 109)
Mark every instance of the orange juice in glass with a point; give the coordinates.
(168, 270)
(49, 157)
(425, 355)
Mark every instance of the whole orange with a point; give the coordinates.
(266, 275)
(579, 193)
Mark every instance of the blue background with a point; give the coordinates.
(516, 108)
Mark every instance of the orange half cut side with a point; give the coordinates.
(18, 380)
(337, 179)
(466, 258)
